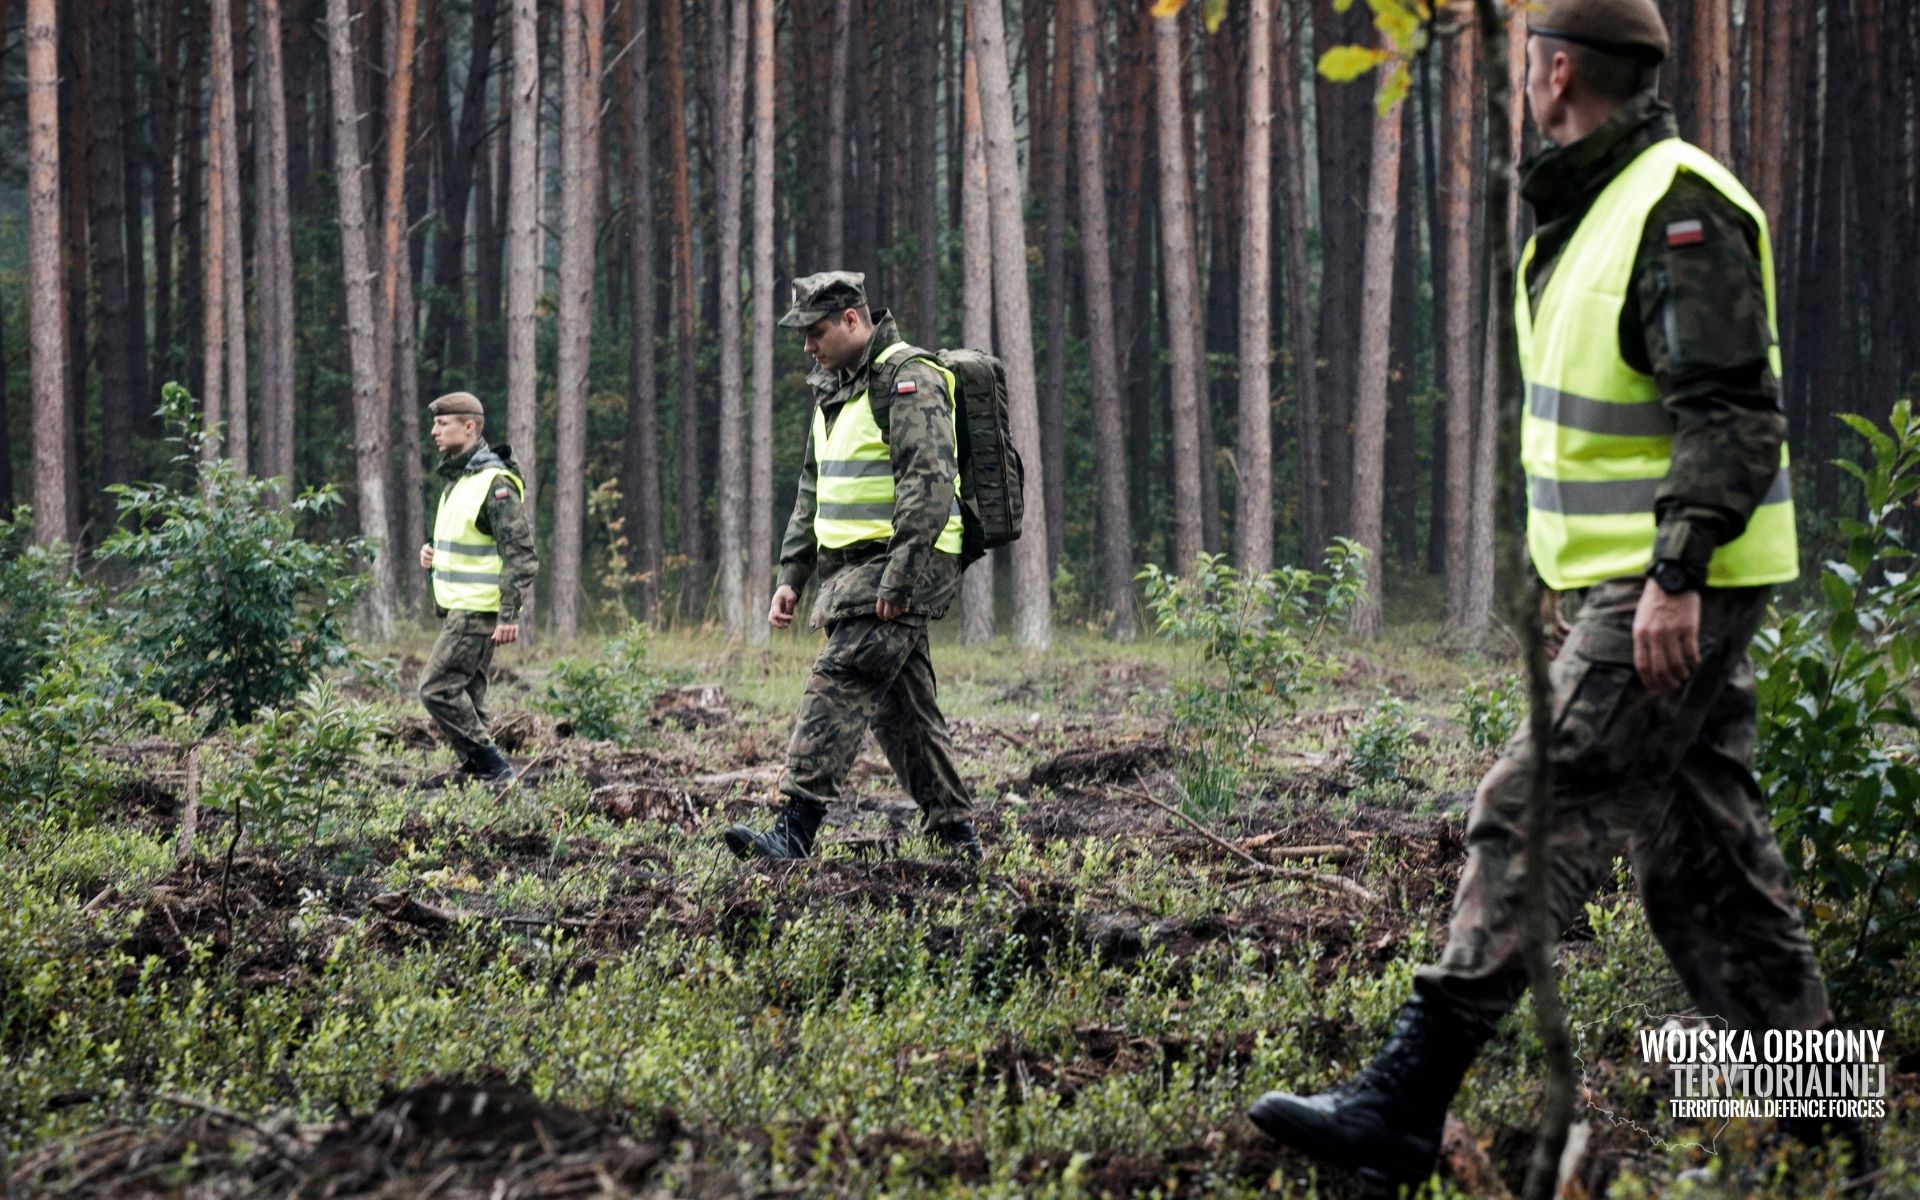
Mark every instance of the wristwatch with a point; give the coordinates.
(1673, 578)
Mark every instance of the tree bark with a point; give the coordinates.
(107, 193)
(581, 51)
(524, 240)
(1180, 295)
(370, 418)
(976, 319)
(1370, 393)
(273, 248)
(727, 33)
(233, 256)
(213, 245)
(1710, 77)
(166, 191)
(640, 449)
(446, 326)
(52, 470)
(765, 300)
(685, 310)
(1253, 519)
(1300, 321)
(1032, 591)
(1113, 523)
(1052, 150)
(1458, 90)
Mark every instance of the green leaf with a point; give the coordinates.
(1393, 91)
(1344, 64)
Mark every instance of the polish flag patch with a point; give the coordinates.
(906, 387)
(1686, 233)
(503, 493)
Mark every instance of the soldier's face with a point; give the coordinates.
(453, 434)
(834, 342)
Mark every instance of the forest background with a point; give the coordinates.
(1245, 309)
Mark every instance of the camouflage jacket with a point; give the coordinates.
(504, 519)
(1695, 319)
(906, 569)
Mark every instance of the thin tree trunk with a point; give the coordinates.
(1458, 89)
(581, 32)
(1370, 396)
(107, 193)
(727, 31)
(640, 449)
(765, 298)
(1032, 586)
(524, 241)
(685, 309)
(133, 153)
(446, 326)
(1180, 294)
(1253, 520)
(976, 319)
(1294, 231)
(923, 204)
(76, 125)
(213, 245)
(1114, 527)
(1052, 142)
(166, 191)
(273, 248)
(233, 256)
(370, 418)
(1709, 75)
(52, 469)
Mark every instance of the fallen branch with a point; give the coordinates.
(401, 906)
(1325, 880)
(746, 775)
(1331, 851)
(274, 1142)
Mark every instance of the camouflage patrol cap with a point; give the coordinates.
(457, 404)
(1627, 28)
(829, 292)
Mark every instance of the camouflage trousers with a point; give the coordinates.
(453, 684)
(875, 674)
(1666, 780)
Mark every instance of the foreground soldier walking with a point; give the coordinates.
(877, 520)
(483, 565)
(1659, 511)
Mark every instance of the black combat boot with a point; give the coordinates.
(490, 765)
(1831, 1134)
(790, 837)
(958, 839)
(1386, 1123)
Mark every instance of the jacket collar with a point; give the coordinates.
(1565, 179)
(480, 457)
(849, 380)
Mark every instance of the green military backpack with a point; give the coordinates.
(992, 478)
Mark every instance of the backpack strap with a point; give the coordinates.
(885, 377)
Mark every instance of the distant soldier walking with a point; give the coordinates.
(1659, 513)
(483, 565)
(878, 521)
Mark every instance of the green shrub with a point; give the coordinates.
(1491, 711)
(37, 589)
(1377, 748)
(230, 608)
(292, 767)
(1839, 733)
(606, 698)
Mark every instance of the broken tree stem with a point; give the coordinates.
(1325, 880)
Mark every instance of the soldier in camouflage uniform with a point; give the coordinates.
(483, 565)
(884, 570)
(1659, 346)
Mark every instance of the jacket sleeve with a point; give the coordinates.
(1702, 316)
(508, 522)
(798, 550)
(925, 461)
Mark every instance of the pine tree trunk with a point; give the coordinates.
(133, 158)
(766, 294)
(1180, 291)
(166, 193)
(834, 245)
(1370, 395)
(1708, 74)
(1051, 159)
(581, 33)
(1115, 529)
(232, 258)
(1459, 87)
(727, 33)
(273, 249)
(976, 319)
(192, 214)
(1032, 587)
(1300, 321)
(446, 324)
(370, 418)
(1253, 519)
(685, 310)
(52, 469)
(107, 193)
(524, 242)
(213, 275)
(640, 449)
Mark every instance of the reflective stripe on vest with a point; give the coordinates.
(853, 471)
(1595, 440)
(466, 562)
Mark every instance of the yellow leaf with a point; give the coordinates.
(1394, 90)
(1168, 8)
(1344, 64)
(1216, 14)
(1400, 26)
(1341, 6)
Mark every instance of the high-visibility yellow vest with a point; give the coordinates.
(853, 494)
(1596, 441)
(466, 562)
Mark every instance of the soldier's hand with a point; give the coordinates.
(887, 610)
(1666, 637)
(506, 635)
(780, 612)
(426, 555)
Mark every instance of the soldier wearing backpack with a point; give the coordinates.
(878, 523)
